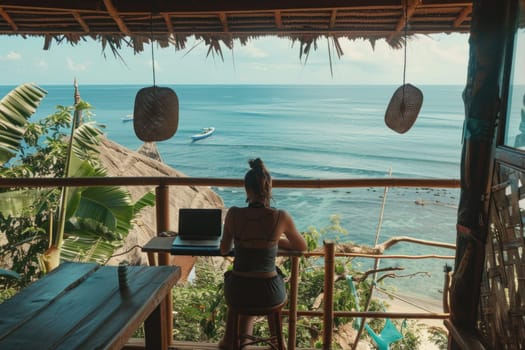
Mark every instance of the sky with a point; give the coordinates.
(437, 59)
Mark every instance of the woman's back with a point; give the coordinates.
(255, 239)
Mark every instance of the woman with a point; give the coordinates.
(256, 231)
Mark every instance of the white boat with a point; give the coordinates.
(128, 118)
(205, 132)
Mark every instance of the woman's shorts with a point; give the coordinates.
(252, 291)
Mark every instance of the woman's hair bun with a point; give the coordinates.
(256, 163)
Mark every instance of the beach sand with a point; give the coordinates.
(417, 304)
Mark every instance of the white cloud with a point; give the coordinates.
(11, 56)
(250, 50)
(76, 67)
(41, 64)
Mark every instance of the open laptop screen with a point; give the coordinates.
(195, 224)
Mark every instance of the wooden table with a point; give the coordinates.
(164, 245)
(80, 306)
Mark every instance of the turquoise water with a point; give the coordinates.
(311, 132)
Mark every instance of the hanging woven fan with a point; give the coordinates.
(156, 111)
(403, 108)
(406, 102)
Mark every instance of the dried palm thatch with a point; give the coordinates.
(119, 23)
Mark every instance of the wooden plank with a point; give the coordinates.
(124, 313)
(33, 299)
(94, 313)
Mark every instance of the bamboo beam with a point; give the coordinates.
(8, 19)
(462, 16)
(358, 32)
(405, 17)
(333, 18)
(169, 25)
(278, 19)
(224, 22)
(196, 181)
(213, 6)
(112, 10)
(81, 21)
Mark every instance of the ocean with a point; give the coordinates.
(314, 132)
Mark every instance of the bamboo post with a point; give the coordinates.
(482, 105)
(162, 197)
(292, 311)
(328, 298)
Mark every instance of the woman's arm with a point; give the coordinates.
(294, 240)
(227, 234)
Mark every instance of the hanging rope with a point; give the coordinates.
(405, 15)
(405, 48)
(152, 50)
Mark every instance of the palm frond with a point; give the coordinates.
(85, 242)
(15, 109)
(147, 200)
(109, 205)
(86, 140)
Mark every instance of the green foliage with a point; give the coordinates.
(6, 293)
(97, 219)
(25, 240)
(199, 308)
(411, 336)
(439, 337)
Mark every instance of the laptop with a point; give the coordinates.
(199, 228)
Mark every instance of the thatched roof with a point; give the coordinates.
(115, 23)
(119, 161)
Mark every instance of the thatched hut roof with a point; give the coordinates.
(116, 23)
(120, 161)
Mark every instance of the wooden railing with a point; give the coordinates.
(162, 185)
(328, 314)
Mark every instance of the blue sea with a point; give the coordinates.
(314, 132)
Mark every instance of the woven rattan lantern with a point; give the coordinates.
(156, 113)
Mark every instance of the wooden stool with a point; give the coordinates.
(272, 313)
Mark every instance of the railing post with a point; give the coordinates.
(292, 314)
(162, 197)
(328, 299)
